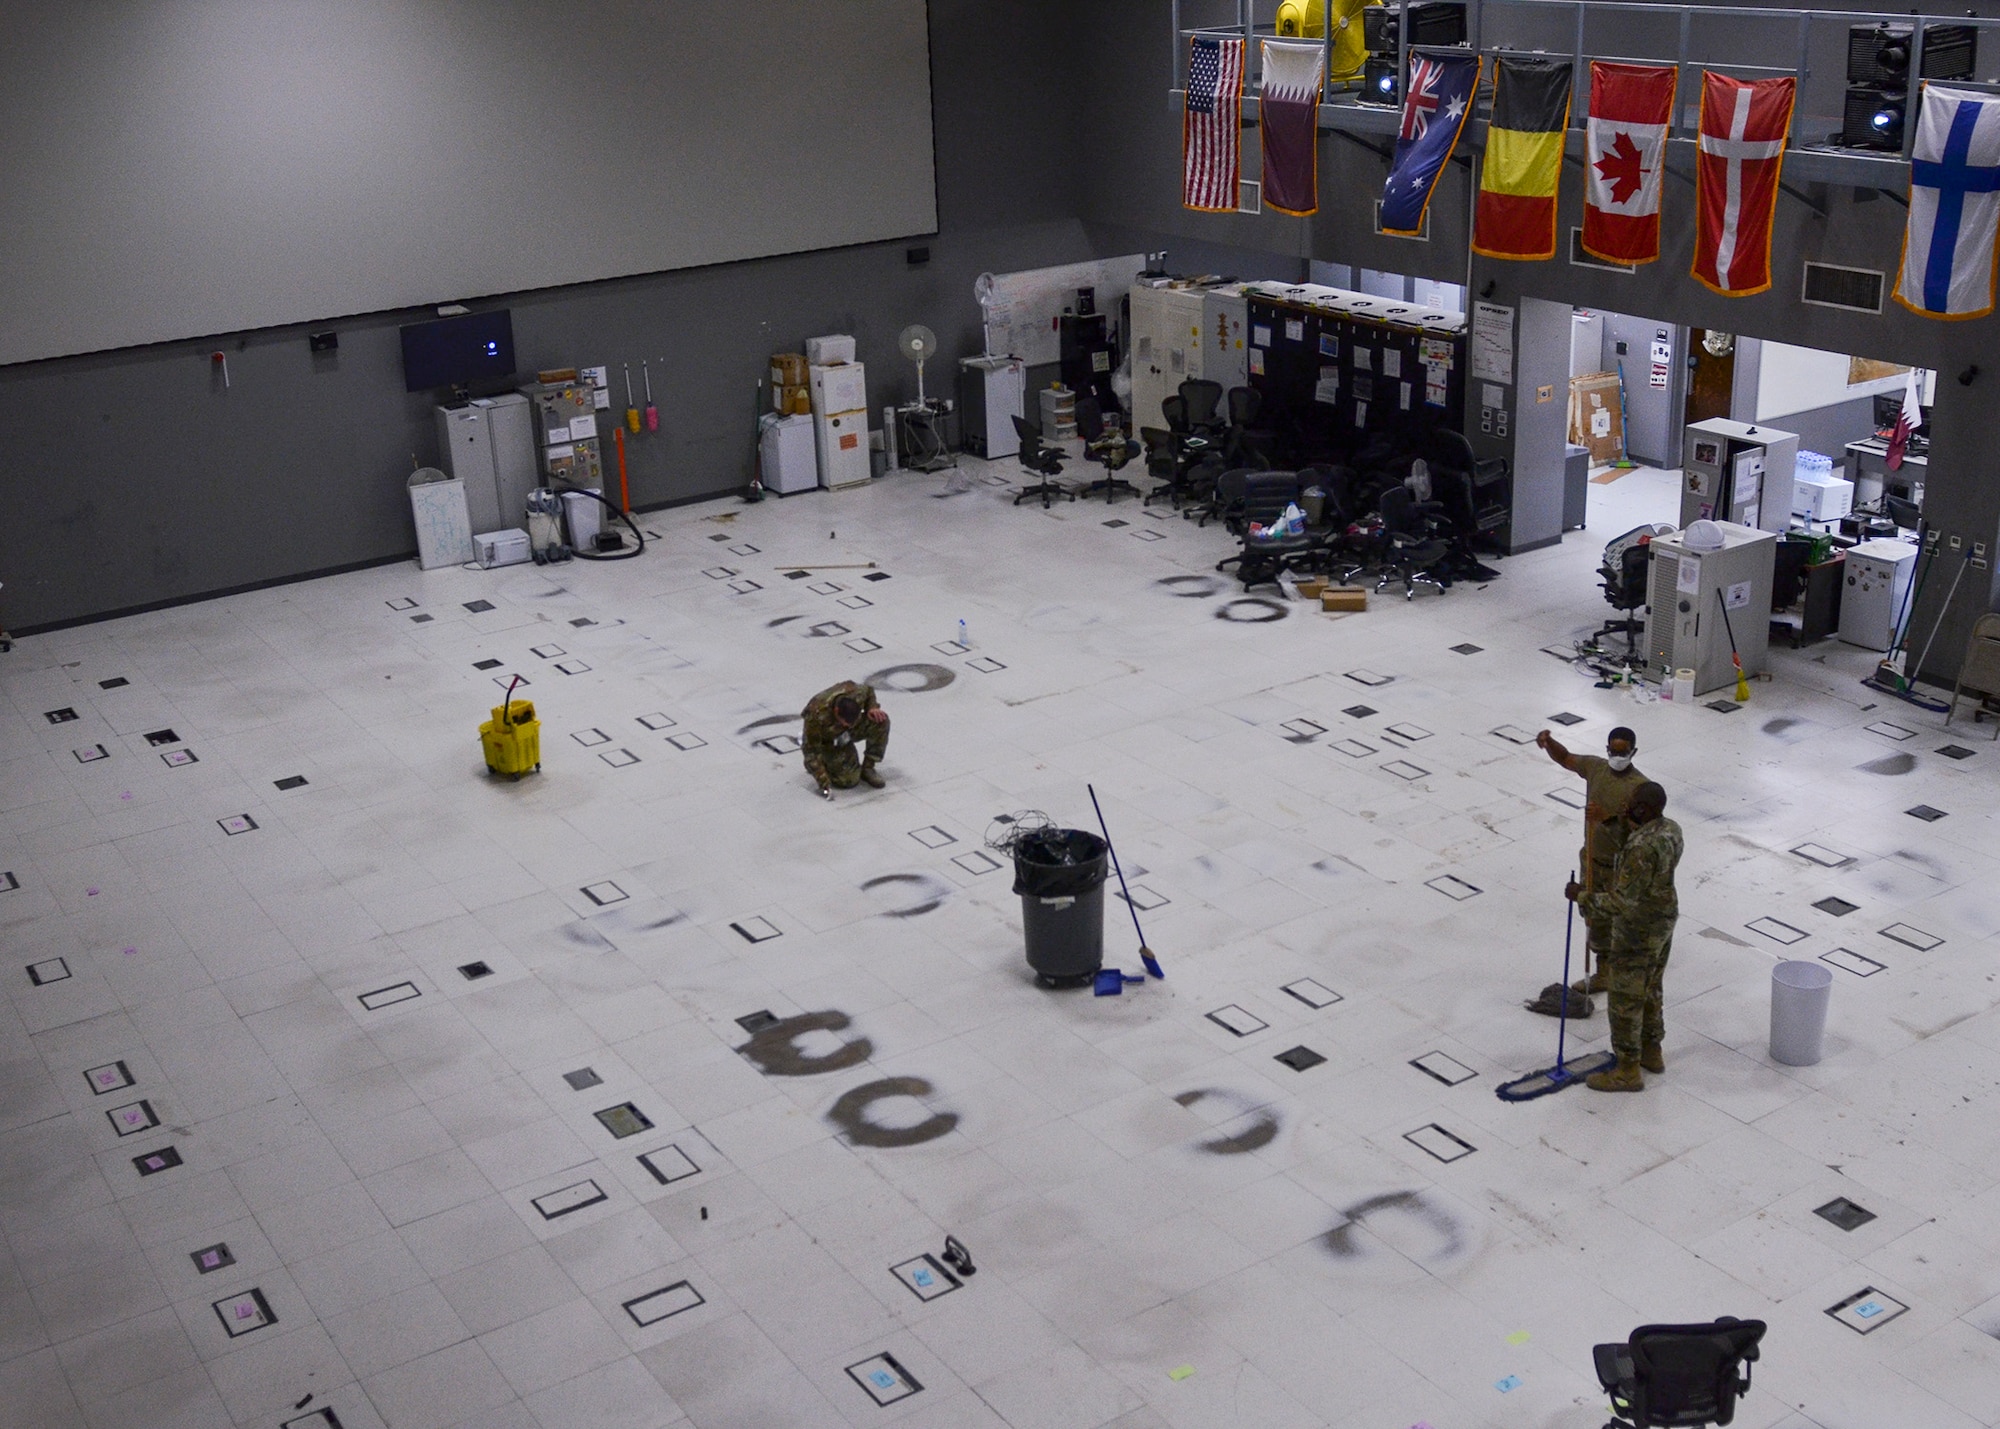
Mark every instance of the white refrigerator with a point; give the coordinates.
(840, 424)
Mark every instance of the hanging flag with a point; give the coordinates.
(1212, 127)
(1288, 126)
(1434, 114)
(1630, 109)
(1947, 269)
(1516, 213)
(1907, 420)
(1739, 151)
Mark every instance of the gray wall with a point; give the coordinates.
(1540, 430)
(210, 165)
(147, 482)
(1652, 414)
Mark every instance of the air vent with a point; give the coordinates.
(1423, 235)
(1249, 196)
(1856, 290)
(1580, 259)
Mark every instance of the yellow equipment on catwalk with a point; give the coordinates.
(512, 739)
(1306, 19)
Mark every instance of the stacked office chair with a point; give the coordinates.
(1106, 444)
(1161, 463)
(1678, 1376)
(1045, 461)
(1244, 443)
(1417, 549)
(1474, 493)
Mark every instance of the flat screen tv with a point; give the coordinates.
(455, 352)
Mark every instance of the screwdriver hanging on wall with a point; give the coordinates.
(652, 412)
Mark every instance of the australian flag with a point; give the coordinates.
(1434, 113)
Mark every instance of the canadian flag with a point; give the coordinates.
(1908, 420)
(1630, 108)
(1744, 124)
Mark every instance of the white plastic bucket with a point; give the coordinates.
(1683, 687)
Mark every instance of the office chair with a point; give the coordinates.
(1627, 581)
(1678, 1376)
(1415, 549)
(1979, 672)
(1161, 464)
(1244, 443)
(1263, 559)
(1106, 444)
(1204, 407)
(1225, 502)
(1045, 461)
(1190, 449)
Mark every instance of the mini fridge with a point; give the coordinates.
(992, 391)
(1877, 585)
(787, 460)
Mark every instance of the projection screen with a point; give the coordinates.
(183, 168)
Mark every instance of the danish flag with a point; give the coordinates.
(1740, 150)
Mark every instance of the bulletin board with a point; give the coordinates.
(1022, 308)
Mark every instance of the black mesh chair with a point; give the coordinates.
(1191, 449)
(1204, 407)
(1160, 462)
(1678, 1376)
(1627, 587)
(1244, 443)
(1416, 550)
(1045, 461)
(1106, 444)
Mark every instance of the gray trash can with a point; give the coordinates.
(1059, 874)
(1799, 995)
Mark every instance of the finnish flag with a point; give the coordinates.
(1954, 206)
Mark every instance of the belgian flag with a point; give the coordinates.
(1516, 216)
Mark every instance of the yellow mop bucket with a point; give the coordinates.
(512, 739)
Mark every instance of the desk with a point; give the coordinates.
(1867, 469)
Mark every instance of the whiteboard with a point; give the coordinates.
(1022, 309)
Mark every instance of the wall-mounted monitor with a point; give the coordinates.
(457, 352)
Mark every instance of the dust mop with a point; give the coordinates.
(1145, 953)
(1624, 462)
(1563, 1073)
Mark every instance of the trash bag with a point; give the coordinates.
(1058, 863)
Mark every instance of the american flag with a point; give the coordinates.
(1212, 130)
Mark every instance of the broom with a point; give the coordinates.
(1742, 680)
(1145, 953)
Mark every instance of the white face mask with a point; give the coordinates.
(1619, 762)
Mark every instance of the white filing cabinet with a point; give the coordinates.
(1877, 582)
(992, 391)
(840, 424)
(1225, 336)
(1166, 347)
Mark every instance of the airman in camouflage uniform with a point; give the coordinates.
(1608, 784)
(1640, 906)
(833, 719)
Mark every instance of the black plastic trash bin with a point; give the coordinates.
(1059, 874)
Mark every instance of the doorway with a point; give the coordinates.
(1711, 387)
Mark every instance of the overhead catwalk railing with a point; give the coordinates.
(1857, 70)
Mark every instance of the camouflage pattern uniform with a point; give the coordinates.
(1640, 907)
(829, 749)
(1611, 791)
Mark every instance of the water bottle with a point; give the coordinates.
(964, 641)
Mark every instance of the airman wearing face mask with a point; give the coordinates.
(1609, 783)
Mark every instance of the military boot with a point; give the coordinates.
(1625, 1077)
(871, 776)
(1594, 983)
(1652, 1058)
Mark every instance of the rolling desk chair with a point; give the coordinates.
(1627, 589)
(1106, 444)
(1045, 461)
(1680, 1376)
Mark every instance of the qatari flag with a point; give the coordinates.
(1288, 121)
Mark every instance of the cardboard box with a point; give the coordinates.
(1310, 588)
(1596, 416)
(1344, 597)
